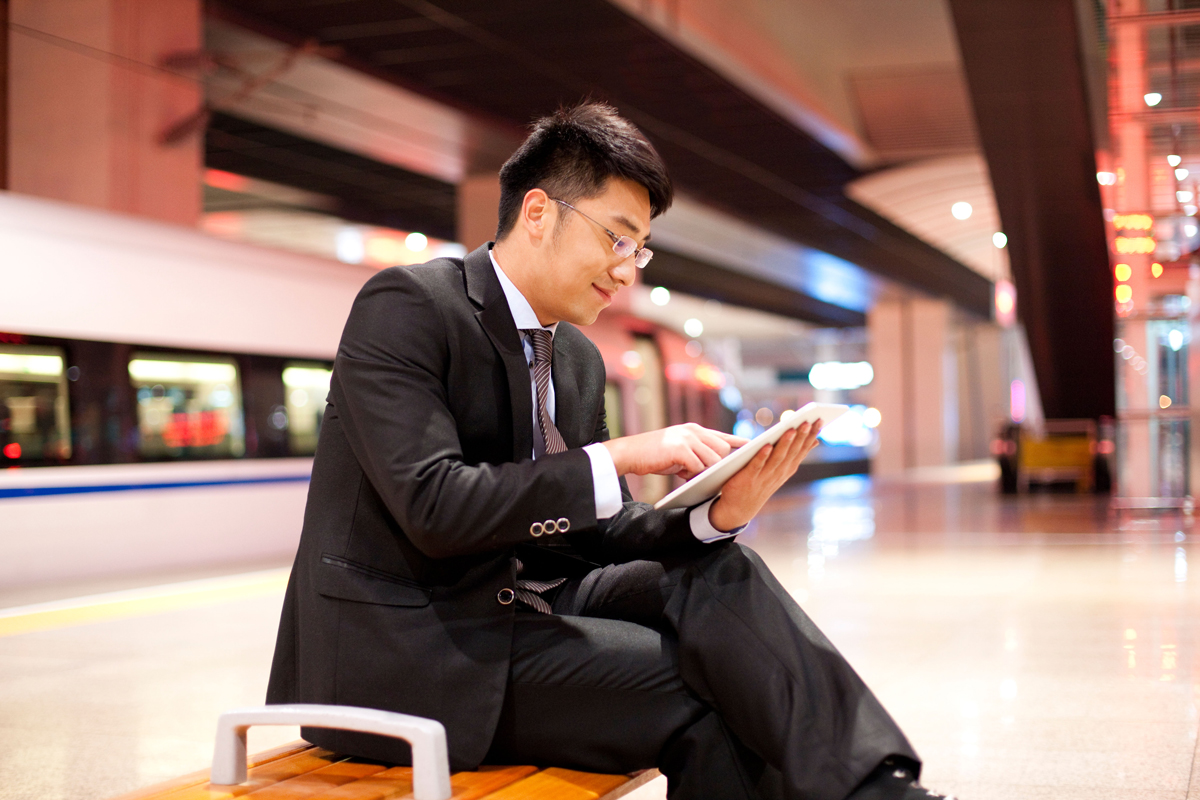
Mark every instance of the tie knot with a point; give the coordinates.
(543, 344)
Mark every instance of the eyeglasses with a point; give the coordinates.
(622, 245)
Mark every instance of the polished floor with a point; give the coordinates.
(1039, 647)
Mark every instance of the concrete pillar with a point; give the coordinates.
(89, 103)
(916, 383)
(478, 201)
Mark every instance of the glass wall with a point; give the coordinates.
(187, 407)
(306, 387)
(34, 417)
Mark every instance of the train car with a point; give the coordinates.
(161, 392)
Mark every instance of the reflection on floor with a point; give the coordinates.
(1032, 648)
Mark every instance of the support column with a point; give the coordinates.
(89, 103)
(915, 386)
(3, 94)
(478, 201)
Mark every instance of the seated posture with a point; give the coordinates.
(471, 553)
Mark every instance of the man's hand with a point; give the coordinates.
(685, 450)
(746, 492)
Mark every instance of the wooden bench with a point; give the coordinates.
(301, 770)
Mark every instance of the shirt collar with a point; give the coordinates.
(522, 313)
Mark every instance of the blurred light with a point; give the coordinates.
(709, 376)
(1189, 229)
(1134, 244)
(1164, 401)
(764, 416)
(1180, 565)
(298, 398)
(1106, 178)
(1152, 98)
(632, 361)
(693, 327)
(961, 210)
(694, 349)
(1190, 210)
(307, 377)
(1175, 339)
(416, 242)
(872, 418)
(220, 179)
(73, 373)
(731, 398)
(386, 250)
(1008, 689)
(848, 429)
(1133, 222)
(680, 372)
(12, 450)
(1006, 303)
(660, 295)
(1118, 345)
(838, 375)
(1124, 293)
(1016, 401)
(30, 365)
(1174, 160)
(1184, 196)
(349, 246)
(999, 239)
(1180, 174)
(744, 428)
(1156, 269)
(193, 371)
(1123, 272)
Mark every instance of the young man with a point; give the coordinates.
(470, 552)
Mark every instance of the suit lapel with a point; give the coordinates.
(566, 389)
(483, 287)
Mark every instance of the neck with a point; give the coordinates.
(522, 266)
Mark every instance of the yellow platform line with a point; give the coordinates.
(141, 602)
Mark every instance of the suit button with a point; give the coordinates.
(505, 596)
(537, 529)
(563, 524)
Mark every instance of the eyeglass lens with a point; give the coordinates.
(625, 247)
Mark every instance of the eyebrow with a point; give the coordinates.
(621, 218)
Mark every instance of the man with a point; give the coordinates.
(471, 554)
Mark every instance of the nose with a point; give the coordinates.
(624, 272)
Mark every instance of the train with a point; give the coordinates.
(161, 392)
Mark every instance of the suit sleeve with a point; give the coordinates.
(389, 390)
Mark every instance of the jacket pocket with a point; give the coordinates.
(347, 580)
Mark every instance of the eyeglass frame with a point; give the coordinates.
(616, 238)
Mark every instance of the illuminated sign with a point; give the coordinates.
(1127, 245)
(1133, 222)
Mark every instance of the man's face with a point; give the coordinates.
(584, 273)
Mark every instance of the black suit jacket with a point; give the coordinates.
(422, 489)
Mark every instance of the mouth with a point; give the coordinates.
(605, 294)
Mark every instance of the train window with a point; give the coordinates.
(613, 412)
(34, 417)
(305, 386)
(187, 407)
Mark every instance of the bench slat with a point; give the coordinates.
(560, 784)
(318, 782)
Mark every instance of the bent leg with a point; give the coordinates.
(749, 651)
(605, 696)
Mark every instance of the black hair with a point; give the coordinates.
(572, 153)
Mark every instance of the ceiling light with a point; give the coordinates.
(1183, 197)
(660, 295)
(1189, 230)
(693, 327)
(1174, 160)
(961, 210)
(1152, 98)
(999, 239)
(1180, 174)
(1123, 272)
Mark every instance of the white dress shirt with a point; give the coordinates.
(605, 485)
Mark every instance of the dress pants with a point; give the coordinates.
(701, 665)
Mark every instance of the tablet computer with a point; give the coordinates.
(708, 484)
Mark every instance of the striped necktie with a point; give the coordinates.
(529, 592)
(543, 352)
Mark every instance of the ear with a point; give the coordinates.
(537, 214)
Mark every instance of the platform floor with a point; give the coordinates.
(1032, 648)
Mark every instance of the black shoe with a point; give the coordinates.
(893, 781)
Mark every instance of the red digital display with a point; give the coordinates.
(13, 338)
(200, 429)
(12, 450)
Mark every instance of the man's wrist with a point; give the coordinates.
(722, 517)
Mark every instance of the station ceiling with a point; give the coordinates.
(515, 61)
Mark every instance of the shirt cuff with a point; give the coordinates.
(605, 484)
(703, 529)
